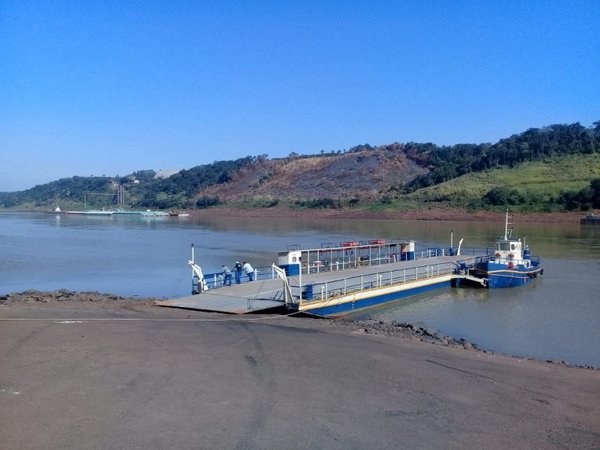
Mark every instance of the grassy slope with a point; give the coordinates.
(547, 178)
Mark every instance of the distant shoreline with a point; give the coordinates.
(433, 214)
(429, 214)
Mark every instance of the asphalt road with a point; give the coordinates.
(122, 377)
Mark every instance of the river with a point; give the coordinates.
(556, 317)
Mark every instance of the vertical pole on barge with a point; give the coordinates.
(198, 282)
(195, 278)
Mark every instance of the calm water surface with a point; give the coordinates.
(557, 317)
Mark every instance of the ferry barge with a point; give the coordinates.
(330, 281)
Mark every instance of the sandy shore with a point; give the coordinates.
(86, 370)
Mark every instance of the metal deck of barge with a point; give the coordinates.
(268, 294)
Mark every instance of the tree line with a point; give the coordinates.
(535, 144)
(443, 163)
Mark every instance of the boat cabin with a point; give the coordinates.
(345, 255)
(512, 253)
(508, 249)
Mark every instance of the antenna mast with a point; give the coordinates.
(507, 231)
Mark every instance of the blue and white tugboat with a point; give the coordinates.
(510, 265)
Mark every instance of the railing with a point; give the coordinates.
(327, 265)
(348, 285)
(215, 279)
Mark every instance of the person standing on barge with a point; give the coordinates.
(226, 275)
(237, 268)
(249, 270)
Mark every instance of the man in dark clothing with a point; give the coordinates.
(238, 272)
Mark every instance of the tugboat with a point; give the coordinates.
(510, 265)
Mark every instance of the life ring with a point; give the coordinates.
(511, 256)
(350, 244)
(498, 255)
(511, 265)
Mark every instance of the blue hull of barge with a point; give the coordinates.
(508, 278)
(357, 305)
(500, 276)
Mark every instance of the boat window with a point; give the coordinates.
(503, 246)
(513, 246)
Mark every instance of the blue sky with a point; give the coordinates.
(110, 87)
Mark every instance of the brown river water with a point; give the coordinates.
(556, 317)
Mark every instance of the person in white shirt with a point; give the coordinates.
(249, 270)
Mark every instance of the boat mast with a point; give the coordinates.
(507, 235)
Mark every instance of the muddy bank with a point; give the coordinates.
(436, 214)
(64, 295)
(124, 374)
(415, 332)
(428, 335)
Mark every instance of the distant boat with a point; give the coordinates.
(103, 212)
(150, 213)
(510, 265)
(93, 212)
(590, 219)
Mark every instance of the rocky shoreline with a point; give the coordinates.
(428, 335)
(63, 295)
(369, 327)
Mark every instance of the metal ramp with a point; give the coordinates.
(249, 297)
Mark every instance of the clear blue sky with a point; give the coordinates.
(110, 87)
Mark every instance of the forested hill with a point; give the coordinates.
(388, 176)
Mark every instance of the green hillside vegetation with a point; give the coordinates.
(531, 186)
(553, 168)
